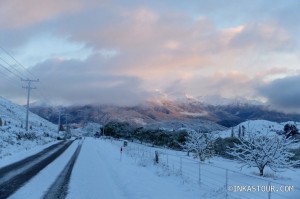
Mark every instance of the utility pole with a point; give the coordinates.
(59, 120)
(67, 132)
(66, 120)
(29, 88)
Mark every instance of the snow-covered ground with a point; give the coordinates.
(217, 174)
(13, 136)
(39, 184)
(102, 172)
(23, 154)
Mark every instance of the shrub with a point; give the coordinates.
(221, 145)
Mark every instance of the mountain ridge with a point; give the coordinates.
(155, 112)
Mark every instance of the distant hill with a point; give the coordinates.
(263, 127)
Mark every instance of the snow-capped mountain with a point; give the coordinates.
(13, 136)
(166, 113)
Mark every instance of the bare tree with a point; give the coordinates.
(259, 151)
(201, 143)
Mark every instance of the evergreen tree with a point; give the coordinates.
(290, 130)
(0, 122)
(232, 132)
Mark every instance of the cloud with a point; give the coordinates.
(200, 48)
(85, 82)
(47, 46)
(262, 36)
(21, 21)
(232, 84)
(19, 14)
(283, 93)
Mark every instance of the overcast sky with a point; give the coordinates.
(125, 52)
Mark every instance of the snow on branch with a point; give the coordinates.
(260, 151)
(201, 143)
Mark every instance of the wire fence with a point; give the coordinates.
(229, 183)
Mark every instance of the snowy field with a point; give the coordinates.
(101, 171)
(223, 178)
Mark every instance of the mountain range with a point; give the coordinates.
(168, 114)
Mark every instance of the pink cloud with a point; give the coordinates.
(20, 14)
(262, 35)
(161, 47)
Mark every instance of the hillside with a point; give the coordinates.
(263, 127)
(151, 115)
(13, 136)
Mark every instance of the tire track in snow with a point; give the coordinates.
(59, 189)
(12, 169)
(9, 186)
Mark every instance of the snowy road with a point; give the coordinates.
(97, 170)
(12, 169)
(101, 172)
(15, 175)
(59, 188)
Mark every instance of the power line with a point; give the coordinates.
(18, 63)
(7, 79)
(42, 95)
(11, 66)
(4, 75)
(12, 62)
(11, 71)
